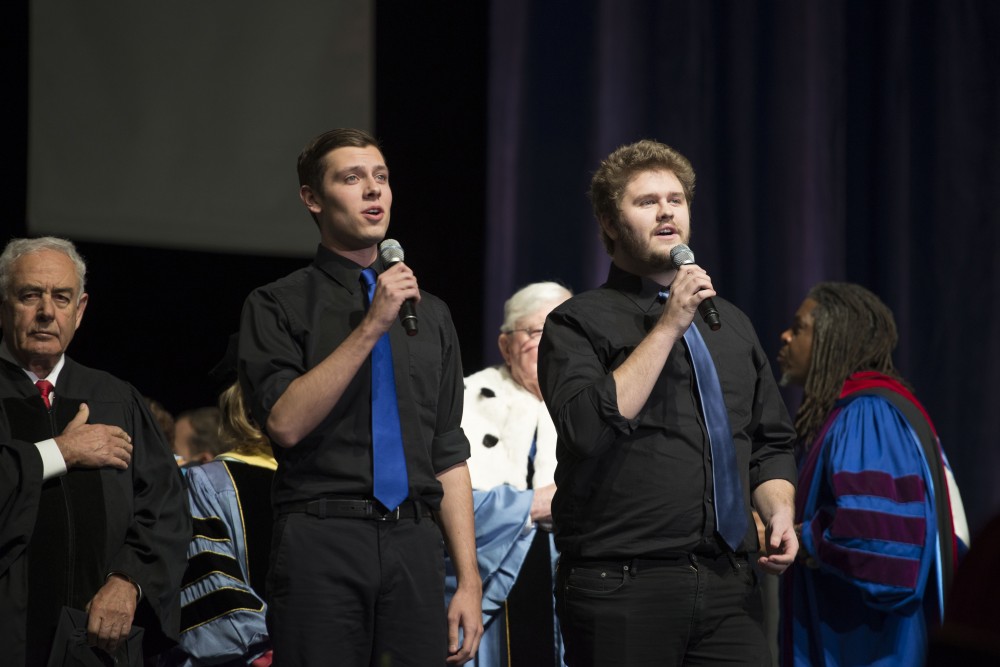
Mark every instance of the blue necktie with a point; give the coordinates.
(388, 462)
(730, 514)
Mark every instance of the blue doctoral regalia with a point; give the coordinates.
(503, 537)
(866, 502)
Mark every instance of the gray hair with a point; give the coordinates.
(17, 248)
(529, 299)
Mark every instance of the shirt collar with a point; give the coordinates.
(342, 270)
(53, 375)
(641, 290)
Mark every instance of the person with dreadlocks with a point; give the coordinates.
(880, 520)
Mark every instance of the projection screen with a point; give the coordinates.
(178, 124)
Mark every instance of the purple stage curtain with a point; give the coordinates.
(833, 140)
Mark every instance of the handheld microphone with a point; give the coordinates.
(681, 255)
(391, 253)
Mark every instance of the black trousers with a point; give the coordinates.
(357, 592)
(691, 610)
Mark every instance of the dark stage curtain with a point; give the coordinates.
(833, 140)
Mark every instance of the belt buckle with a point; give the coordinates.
(390, 515)
(316, 508)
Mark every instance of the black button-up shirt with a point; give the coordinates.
(291, 325)
(643, 487)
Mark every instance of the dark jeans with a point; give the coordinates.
(690, 610)
(356, 592)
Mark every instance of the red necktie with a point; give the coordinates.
(45, 388)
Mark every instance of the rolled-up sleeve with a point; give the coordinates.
(771, 431)
(270, 353)
(578, 387)
(450, 446)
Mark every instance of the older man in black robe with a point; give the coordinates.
(92, 510)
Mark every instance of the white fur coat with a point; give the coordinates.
(501, 419)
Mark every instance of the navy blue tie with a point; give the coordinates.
(391, 485)
(730, 514)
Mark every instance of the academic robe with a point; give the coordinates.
(502, 542)
(506, 426)
(880, 523)
(223, 614)
(60, 539)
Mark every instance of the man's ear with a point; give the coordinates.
(309, 198)
(80, 307)
(608, 227)
(503, 342)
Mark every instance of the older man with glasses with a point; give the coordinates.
(512, 466)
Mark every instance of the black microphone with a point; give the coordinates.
(392, 253)
(681, 255)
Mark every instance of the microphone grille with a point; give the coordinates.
(391, 251)
(681, 255)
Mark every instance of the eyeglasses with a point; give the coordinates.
(532, 333)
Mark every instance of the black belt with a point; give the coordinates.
(357, 508)
(634, 565)
(629, 563)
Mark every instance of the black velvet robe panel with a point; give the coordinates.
(60, 539)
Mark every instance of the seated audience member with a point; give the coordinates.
(196, 436)
(164, 419)
(166, 422)
(222, 617)
(512, 466)
(880, 519)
